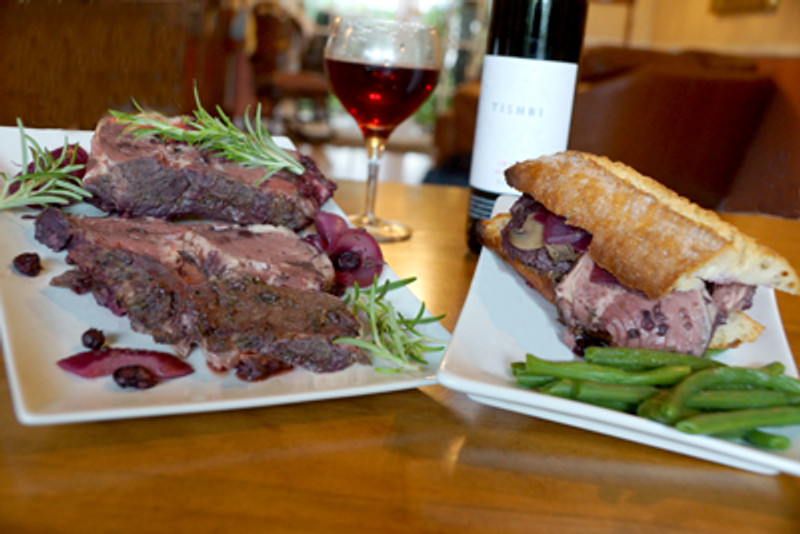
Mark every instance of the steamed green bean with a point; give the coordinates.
(694, 395)
(666, 375)
(720, 422)
(641, 359)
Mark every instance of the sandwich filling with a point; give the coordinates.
(596, 308)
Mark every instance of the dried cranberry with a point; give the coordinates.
(93, 339)
(586, 339)
(647, 322)
(135, 376)
(28, 263)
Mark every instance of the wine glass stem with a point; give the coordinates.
(375, 146)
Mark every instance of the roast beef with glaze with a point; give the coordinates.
(237, 319)
(275, 254)
(172, 180)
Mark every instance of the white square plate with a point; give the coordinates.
(42, 324)
(503, 319)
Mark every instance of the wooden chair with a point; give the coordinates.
(286, 66)
(66, 64)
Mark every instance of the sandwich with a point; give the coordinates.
(627, 262)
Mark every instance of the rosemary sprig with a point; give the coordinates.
(50, 181)
(387, 334)
(251, 148)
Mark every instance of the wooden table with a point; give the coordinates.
(427, 460)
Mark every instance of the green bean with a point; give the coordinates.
(766, 440)
(774, 368)
(526, 379)
(650, 408)
(718, 377)
(713, 353)
(591, 391)
(534, 381)
(600, 396)
(739, 399)
(666, 375)
(759, 438)
(641, 359)
(695, 395)
(564, 388)
(719, 422)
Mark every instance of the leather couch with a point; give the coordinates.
(688, 119)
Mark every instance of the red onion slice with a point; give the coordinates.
(76, 155)
(329, 227)
(540, 214)
(81, 157)
(316, 241)
(558, 232)
(357, 257)
(103, 362)
(355, 254)
(601, 276)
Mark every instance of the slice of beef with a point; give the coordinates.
(274, 254)
(233, 318)
(170, 180)
(152, 295)
(199, 285)
(731, 297)
(236, 318)
(592, 302)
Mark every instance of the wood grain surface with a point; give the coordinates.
(425, 460)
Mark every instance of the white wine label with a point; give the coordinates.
(524, 111)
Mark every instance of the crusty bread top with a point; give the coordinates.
(646, 235)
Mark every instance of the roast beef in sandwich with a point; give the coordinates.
(628, 262)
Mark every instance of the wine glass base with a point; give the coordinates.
(383, 230)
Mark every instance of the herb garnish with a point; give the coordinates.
(252, 148)
(49, 180)
(389, 335)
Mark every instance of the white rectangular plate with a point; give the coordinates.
(503, 319)
(42, 324)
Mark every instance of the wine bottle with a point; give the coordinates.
(528, 82)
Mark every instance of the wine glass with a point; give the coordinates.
(381, 71)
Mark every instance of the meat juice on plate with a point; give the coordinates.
(380, 97)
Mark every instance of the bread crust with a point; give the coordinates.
(649, 237)
(739, 328)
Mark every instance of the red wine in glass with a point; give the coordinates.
(380, 97)
(381, 71)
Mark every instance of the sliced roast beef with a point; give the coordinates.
(237, 319)
(232, 319)
(274, 254)
(166, 179)
(591, 302)
(731, 297)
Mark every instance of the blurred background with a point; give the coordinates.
(703, 95)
